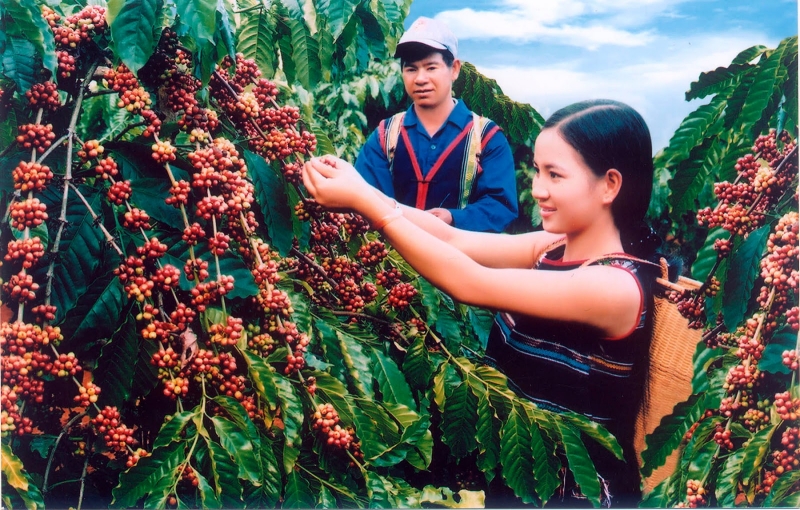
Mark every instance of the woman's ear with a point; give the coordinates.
(612, 183)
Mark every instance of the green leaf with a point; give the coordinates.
(356, 361)
(262, 379)
(393, 386)
(292, 420)
(444, 382)
(225, 474)
(580, 463)
(338, 14)
(707, 256)
(515, 454)
(324, 143)
(20, 63)
(305, 54)
(693, 130)
(772, 358)
(459, 421)
(173, 428)
(199, 17)
(482, 321)
(332, 390)
(114, 371)
(750, 54)
(487, 434)
(766, 80)
(133, 30)
(257, 40)
(271, 196)
(595, 431)
(267, 493)
(669, 433)
(755, 451)
(109, 303)
(417, 365)
(81, 251)
(14, 475)
(149, 194)
(693, 175)
(416, 434)
(379, 490)
(236, 442)
(162, 464)
(207, 494)
(297, 492)
(430, 299)
(728, 479)
(224, 31)
(743, 269)
(373, 418)
(450, 328)
(660, 496)
(238, 415)
(718, 81)
(28, 22)
(781, 493)
(546, 474)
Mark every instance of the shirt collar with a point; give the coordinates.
(460, 116)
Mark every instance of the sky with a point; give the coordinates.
(646, 53)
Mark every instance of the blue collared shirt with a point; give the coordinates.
(493, 203)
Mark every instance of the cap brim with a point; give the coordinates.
(426, 42)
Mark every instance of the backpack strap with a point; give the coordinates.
(471, 167)
(389, 133)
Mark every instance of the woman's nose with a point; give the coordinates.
(538, 191)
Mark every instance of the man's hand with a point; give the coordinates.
(442, 214)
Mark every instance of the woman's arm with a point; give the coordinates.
(491, 250)
(604, 297)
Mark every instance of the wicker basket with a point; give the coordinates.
(670, 374)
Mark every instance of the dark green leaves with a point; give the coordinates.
(134, 30)
(668, 435)
(744, 267)
(272, 197)
(27, 24)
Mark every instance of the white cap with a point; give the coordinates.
(430, 32)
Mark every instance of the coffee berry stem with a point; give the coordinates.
(51, 456)
(109, 238)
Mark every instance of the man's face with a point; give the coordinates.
(429, 81)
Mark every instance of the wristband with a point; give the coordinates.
(396, 213)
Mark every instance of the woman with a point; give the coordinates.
(570, 336)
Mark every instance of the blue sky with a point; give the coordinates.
(550, 53)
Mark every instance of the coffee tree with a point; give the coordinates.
(734, 191)
(183, 327)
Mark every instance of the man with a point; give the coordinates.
(438, 155)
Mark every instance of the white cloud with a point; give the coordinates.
(653, 83)
(587, 24)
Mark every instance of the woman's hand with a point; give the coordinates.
(336, 184)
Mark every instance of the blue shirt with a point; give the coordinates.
(493, 202)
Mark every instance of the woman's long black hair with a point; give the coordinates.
(610, 134)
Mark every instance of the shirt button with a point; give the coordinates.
(433, 147)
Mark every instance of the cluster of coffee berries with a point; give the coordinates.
(400, 295)
(36, 136)
(44, 95)
(763, 177)
(695, 495)
(325, 421)
(31, 176)
(117, 437)
(690, 305)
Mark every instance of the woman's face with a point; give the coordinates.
(569, 194)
